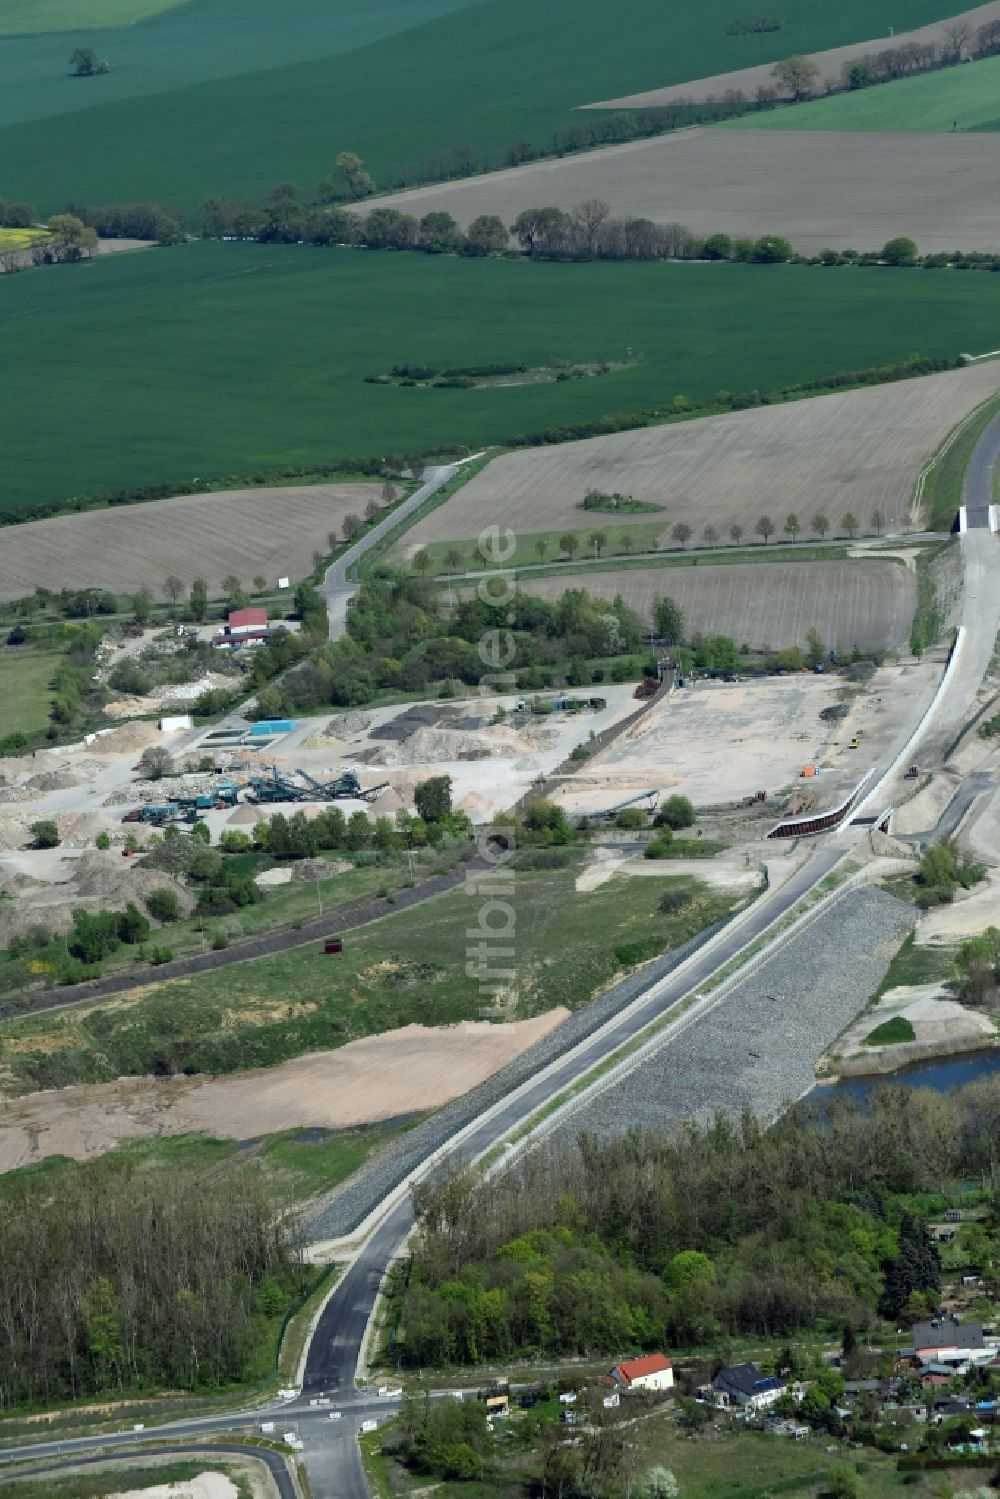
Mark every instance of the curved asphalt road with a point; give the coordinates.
(331, 1365)
(273, 1461)
(336, 588)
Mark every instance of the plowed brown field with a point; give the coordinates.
(858, 451)
(867, 604)
(817, 188)
(242, 531)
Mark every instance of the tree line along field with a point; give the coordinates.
(968, 96)
(243, 96)
(868, 604)
(857, 451)
(186, 375)
(818, 189)
(240, 533)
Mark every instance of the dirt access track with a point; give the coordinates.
(858, 451)
(819, 189)
(273, 532)
(380, 1077)
(748, 80)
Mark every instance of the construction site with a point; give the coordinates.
(745, 752)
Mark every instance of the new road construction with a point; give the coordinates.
(672, 1012)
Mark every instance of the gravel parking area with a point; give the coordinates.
(756, 1050)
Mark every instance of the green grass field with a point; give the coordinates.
(210, 358)
(410, 968)
(25, 674)
(968, 95)
(240, 94)
(27, 17)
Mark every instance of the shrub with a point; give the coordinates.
(674, 900)
(159, 955)
(891, 1032)
(44, 834)
(660, 846)
(220, 940)
(235, 842)
(676, 812)
(103, 841)
(630, 818)
(163, 904)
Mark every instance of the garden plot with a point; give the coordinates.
(865, 604)
(244, 532)
(818, 189)
(860, 451)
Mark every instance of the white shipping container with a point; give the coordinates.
(175, 724)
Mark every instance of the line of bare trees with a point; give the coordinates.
(113, 1281)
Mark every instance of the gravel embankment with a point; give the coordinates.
(757, 1048)
(352, 1202)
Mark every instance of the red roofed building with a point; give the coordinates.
(240, 621)
(652, 1372)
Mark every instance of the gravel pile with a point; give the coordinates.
(757, 1049)
(357, 1197)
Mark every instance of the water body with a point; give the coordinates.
(942, 1075)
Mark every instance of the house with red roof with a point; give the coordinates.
(241, 621)
(651, 1372)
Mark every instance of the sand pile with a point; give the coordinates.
(128, 736)
(186, 692)
(13, 833)
(429, 746)
(98, 880)
(319, 869)
(244, 816)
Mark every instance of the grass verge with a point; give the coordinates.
(938, 494)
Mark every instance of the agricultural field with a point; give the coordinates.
(818, 189)
(21, 239)
(860, 451)
(25, 695)
(830, 62)
(236, 107)
(244, 532)
(967, 96)
(208, 389)
(868, 604)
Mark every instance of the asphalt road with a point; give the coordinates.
(330, 1446)
(336, 587)
(273, 1461)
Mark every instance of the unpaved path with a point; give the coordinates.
(749, 80)
(401, 1072)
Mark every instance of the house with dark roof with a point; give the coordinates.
(651, 1372)
(744, 1385)
(950, 1345)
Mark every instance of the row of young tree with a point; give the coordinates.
(692, 1237)
(116, 1280)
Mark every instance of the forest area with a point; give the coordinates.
(690, 1239)
(116, 1281)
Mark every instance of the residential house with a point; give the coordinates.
(950, 1345)
(244, 621)
(652, 1372)
(745, 1386)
